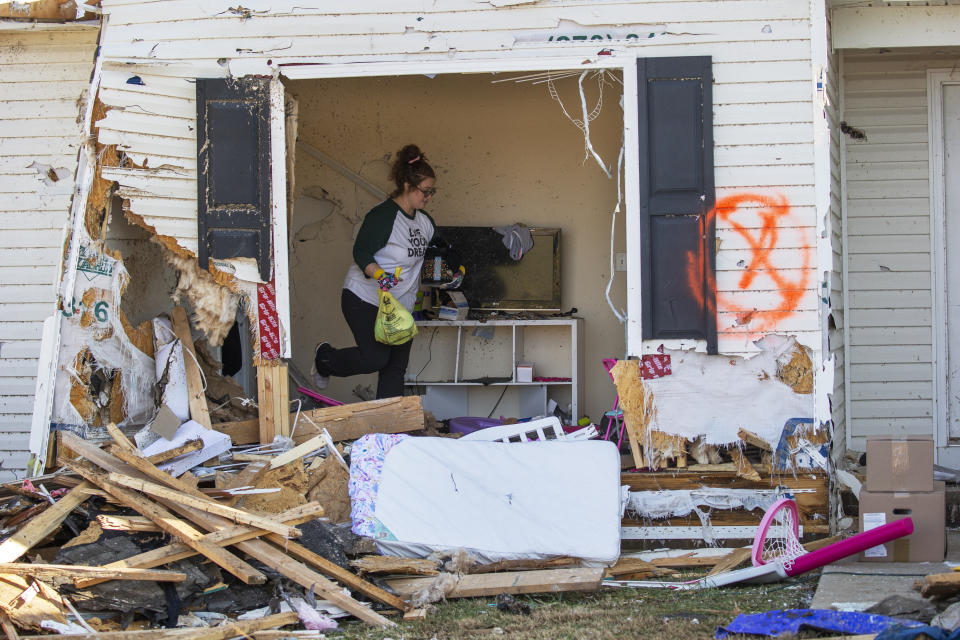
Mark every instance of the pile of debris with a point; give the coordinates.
(198, 532)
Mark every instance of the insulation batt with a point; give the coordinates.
(715, 396)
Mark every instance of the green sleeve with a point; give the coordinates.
(374, 234)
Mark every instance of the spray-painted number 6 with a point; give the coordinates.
(100, 311)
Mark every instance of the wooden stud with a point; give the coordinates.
(393, 565)
(343, 422)
(40, 570)
(205, 504)
(174, 526)
(492, 584)
(524, 564)
(299, 451)
(265, 422)
(126, 523)
(938, 584)
(189, 447)
(44, 524)
(273, 389)
(223, 537)
(199, 411)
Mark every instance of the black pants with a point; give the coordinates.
(369, 355)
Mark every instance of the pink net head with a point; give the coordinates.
(777, 536)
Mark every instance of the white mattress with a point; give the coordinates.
(499, 501)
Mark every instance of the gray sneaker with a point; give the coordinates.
(319, 381)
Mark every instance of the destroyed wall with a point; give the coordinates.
(767, 258)
(46, 75)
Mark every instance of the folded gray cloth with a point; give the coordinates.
(517, 239)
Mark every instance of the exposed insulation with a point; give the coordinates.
(797, 372)
(214, 305)
(101, 190)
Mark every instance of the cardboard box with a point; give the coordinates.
(927, 543)
(456, 309)
(900, 463)
(524, 372)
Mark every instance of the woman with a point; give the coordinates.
(395, 233)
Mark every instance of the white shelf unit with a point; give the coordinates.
(469, 367)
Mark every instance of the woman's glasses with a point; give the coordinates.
(429, 192)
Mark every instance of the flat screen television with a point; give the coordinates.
(494, 280)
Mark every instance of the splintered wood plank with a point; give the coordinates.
(8, 627)
(938, 584)
(199, 411)
(30, 602)
(524, 564)
(751, 438)
(731, 561)
(343, 422)
(188, 447)
(223, 537)
(303, 449)
(492, 584)
(338, 573)
(744, 468)
(259, 549)
(237, 629)
(44, 524)
(39, 570)
(246, 627)
(109, 522)
(172, 525)
(205, 504)
(395, 565)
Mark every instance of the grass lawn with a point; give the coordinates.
(609, 613)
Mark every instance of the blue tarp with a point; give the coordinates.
(780, 621)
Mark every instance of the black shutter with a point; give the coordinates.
(233, 166)
(676, 198)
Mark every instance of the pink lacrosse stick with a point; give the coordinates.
(777, 568)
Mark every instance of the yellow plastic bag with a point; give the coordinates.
(394, 323)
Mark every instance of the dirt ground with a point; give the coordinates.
(609, 613)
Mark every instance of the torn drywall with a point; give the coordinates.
(712, 397)
(95, 345)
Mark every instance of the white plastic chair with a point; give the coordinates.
(539, 430)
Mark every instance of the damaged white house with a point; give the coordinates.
(749, 198)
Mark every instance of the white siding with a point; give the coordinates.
(44, 75)
(890, 353)
(835, 327)
(762, 106)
